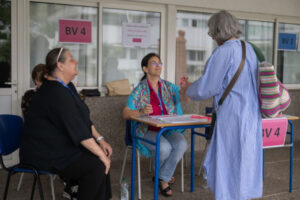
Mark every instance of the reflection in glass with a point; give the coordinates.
(119, 62)
(288, 62)
(193, 45)
(44, 37)
(5, 44)
(261, 35)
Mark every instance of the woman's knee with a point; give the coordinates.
(165, 150)
(183, 146)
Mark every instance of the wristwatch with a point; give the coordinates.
(98, 139)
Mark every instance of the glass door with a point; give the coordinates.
(8, 83)
(8, 68)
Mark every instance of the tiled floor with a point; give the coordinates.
(276, 183)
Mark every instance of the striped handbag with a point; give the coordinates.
(274, 97)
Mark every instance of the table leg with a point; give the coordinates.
(157, 164)
(291, 155)
(133, 164)
(192, 160)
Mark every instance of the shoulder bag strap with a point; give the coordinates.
(236, 75)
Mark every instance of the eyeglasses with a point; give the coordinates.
(60, 51)
(156, 64)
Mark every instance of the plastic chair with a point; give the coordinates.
(128, 142)
(11, 129)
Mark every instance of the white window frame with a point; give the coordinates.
(276, 19)
(26, 34)
(135, 6)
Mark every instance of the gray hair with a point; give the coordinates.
(223, 26)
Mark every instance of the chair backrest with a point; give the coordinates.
(11, 129)
(128, 140)
(208, 110)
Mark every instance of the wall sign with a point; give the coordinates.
(287, 41)
(136, 34)
(274, 131)
(75, 31)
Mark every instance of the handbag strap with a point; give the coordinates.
(235, 77)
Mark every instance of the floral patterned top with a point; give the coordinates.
(141, 95)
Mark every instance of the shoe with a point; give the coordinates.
(204, 184)
(165, 191)
(171, 182)
(70, 192)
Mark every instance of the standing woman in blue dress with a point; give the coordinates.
(234, 159)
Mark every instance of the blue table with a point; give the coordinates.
(164, 127)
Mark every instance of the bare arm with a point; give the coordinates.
(103, 144)
(92, 146)
(127, 113)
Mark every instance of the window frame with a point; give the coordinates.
(134, 6)
(241, 15)
(126, 5)
(168, 28)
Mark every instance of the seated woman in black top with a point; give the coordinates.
(38, 76)
(59, 135)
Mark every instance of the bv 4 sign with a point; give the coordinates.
(75, 31)
(274, 131)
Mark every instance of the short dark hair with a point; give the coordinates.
(145, 61)
(53, 57)
(38, 73)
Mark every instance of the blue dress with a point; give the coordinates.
(233, 162)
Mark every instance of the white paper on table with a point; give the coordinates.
(173, 119)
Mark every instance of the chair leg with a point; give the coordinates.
(182, 174)
(203, 156)
(185, 160)
(139, 175)
(123, 165)
(40, 187)
(33, 186)
(7, 185)
(20, 181)
(52, 177)
(150, 164)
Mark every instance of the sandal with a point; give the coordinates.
(165, 191)
(171, 182)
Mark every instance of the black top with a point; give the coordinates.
(26, 101)
(57, 121)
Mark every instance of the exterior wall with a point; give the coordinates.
(106, 113)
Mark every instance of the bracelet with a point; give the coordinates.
(98, 139)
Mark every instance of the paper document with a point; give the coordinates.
(173, 119)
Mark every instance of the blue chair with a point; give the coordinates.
(128, 142)
(11, 129)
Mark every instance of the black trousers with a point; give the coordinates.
(89, 171)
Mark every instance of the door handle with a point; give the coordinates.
(11, 83)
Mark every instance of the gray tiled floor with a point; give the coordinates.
(275, 184)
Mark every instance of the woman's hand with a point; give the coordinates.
(184, 84)
(106, 148)
(93, 147)
(147, 109)
(106, 161)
